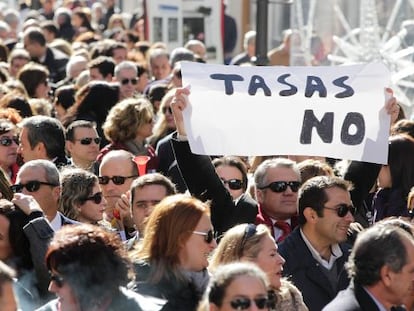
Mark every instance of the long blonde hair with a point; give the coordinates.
(236, 244)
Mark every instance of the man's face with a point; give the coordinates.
(145, 199)
(95, 75)
(119, 55)
(329, 227)
(401, 284)
(83, 149)
(115, 167)
(282, 205)
(31, 47)
(27, 152)
(126, 80)
(47, 196)
(160, 67)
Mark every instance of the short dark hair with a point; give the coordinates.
(375, 247)
(46, 130)
(70, 130)
(312, 194)
(152, 179)
(35, 34)
(104, 64)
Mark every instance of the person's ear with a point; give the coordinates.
(310, 215)
(386, 277)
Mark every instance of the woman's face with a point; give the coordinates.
(195, 251)
(8, 149)
(91, 211)
(66, 298)
(169, 118)
(270, 261)
(5, 247)
(243, 288)
(227, 173)
(145, 129)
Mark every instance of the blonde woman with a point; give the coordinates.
(248, 242)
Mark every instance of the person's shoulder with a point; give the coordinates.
(50, 306)
(130, 300)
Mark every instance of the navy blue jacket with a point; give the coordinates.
(305, 272)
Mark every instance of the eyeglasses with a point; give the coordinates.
(281, 186)
(166, 109)
(125, 81)
(31, 186)
(117, 180)
(342, 209)
(208, 236)
(89, 140)
(7, 141)
(234, 184)
(249, 231)
(244, 303)
(58, 279)
(96, 198)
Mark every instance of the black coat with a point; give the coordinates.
(354, 298)
(202, 182)
(305, 272)
(180, 294)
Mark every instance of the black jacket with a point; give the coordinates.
(305, 272)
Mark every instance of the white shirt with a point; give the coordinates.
(336, 253)
(56, 223)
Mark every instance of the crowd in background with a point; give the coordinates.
(104, 206)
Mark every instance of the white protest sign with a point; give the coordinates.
(335, 112)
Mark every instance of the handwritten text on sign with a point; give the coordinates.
(320, 111)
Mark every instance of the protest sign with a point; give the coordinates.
(317, 111)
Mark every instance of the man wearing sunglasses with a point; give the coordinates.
(315, 252)
(126, 74)
(82, 143)
(116, 174)
(40, 179)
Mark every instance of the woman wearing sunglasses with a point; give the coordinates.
(251, 243)
(236, 286)
(9, 142)
(173, 257)
(81, 197)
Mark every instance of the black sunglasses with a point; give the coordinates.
(89, 140)
(281, 186)
(31, 186)
(165, 109)
(59, 280)
(244, 303)
(125, 81)
(7, 141)
(117, 180)
(234, 184)
(96, 198)
(342, 209)
(208, 236)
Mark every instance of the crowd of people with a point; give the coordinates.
(104, 206)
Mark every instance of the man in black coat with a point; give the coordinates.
(54, 60)
(382, 269)
(314, 252)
